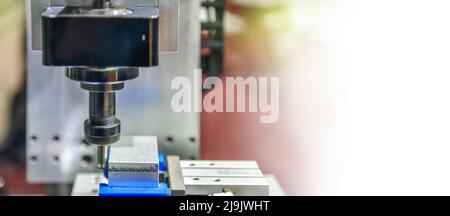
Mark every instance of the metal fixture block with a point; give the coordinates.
(241, 178)
(133, 162)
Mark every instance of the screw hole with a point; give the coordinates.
(196, 179)
(34, 138)
(169, 139)
(56, 138)
(56, 159)
(212, 164)
(87, 159)
(33, 159)
(193, 140)
(192, 164)
(217, 180)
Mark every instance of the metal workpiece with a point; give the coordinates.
(134, 162)
(209, 178)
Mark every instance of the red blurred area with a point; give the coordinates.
(14, 177)
(241, 136)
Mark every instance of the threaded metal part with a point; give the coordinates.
(103, 121)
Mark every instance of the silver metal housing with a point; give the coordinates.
(169, 21)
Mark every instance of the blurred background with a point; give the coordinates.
(364, 95)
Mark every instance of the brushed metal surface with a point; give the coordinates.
(57, 107)
(241, 178)
(134, 162)
(134, 153)
(169, 25)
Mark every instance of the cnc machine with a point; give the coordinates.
(98, 105)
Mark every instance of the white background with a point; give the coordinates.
(376, 86)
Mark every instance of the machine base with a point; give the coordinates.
(87, 184)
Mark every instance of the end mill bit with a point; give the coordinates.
(102, 156)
